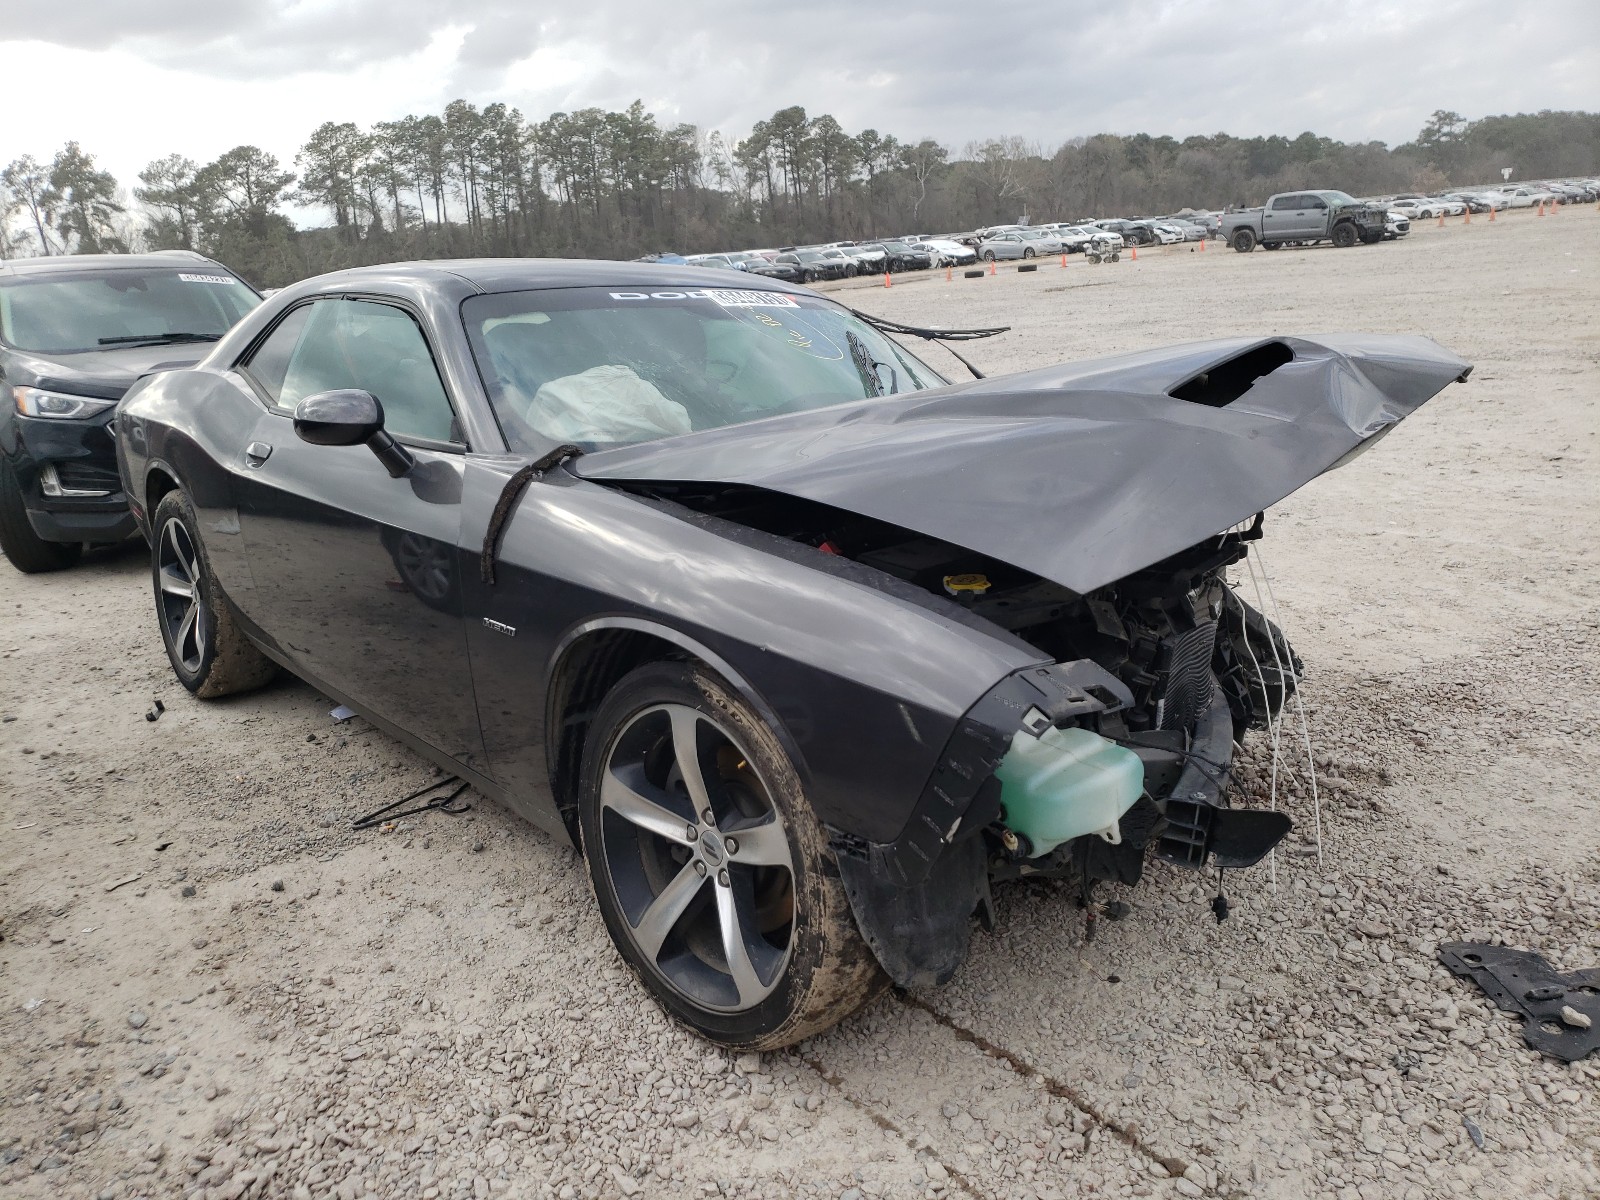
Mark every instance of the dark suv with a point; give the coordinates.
(75, 332)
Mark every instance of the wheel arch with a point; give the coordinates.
(590, 660)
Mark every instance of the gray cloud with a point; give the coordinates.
(953, 71)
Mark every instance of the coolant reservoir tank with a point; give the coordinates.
(1066, 783)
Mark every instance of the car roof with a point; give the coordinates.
(57, 264)
(531, 274)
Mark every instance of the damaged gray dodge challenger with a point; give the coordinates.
(801, 643)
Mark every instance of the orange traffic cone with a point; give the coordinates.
(1202, 245)
(1135, 254)
(947, 274)
(1466, 217)
(1063, 260)
(1491, 212)
(1541, 208)
(1441, 218)
(886, 282)
(1555, 209)
(991, 266)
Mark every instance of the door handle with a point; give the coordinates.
(256, 453)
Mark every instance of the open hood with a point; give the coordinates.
(1082, 473)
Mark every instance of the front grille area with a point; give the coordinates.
(1185, 664)
(77, 474)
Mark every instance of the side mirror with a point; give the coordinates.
(349, 417)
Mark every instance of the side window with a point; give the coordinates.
(1315, 202)
(1286, 204)
(270, 362)
(376, 348)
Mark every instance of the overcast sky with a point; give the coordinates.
(136, 79)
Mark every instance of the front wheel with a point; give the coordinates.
(1345, 235)
(1243, 241)
(208, 651)
(988, 256)
(850, 272)
(1027, 252)
(26, 550)
(711, 871)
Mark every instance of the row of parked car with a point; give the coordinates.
(921, 251)
(1416, 206)
(1104, 236)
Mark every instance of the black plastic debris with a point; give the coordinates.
(1553, 1006)
(446, 802)
(155, 711)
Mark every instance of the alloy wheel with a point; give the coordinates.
(183, 611)
(697, 857)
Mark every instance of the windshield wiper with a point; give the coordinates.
(171, 336)
(865, 367)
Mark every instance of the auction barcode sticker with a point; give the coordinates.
(205, 278)
(733, 298)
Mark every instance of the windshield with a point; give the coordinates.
(596, 367)
(90, 310)
(1338, 198)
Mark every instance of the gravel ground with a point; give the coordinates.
(210, 987)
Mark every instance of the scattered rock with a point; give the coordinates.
(137, 1019)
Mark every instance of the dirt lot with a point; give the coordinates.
(210, 986)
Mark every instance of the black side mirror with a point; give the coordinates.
(350, 417)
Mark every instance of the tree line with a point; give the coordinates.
(474, 181)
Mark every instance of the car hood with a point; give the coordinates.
(104, 374)
(1081, 473)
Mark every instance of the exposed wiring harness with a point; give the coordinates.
(508, 498)
(942, 336)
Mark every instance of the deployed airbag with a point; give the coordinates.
(604, 404)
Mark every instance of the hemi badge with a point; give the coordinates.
(508, 630)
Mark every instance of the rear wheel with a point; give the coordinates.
(1243, 241)
(712, 873)
(208, 651)
(27, 551)
(1346, 235)
(1027, 252)
(988, 256)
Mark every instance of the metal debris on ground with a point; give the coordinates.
(343, 713)
(1558, 1011)
(155, 711)
(445, 802)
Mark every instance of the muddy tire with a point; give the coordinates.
(25, 549)
(1243, 240)
(1345, 235)
(208, 651)
(713, 875)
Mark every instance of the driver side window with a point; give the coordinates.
(377, 348)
